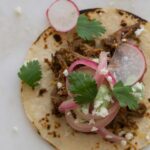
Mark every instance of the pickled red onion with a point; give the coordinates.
(86, 127)
(108, 135)
(67, 105)
(86, 62)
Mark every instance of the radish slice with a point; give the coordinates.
(63, 15)
(128, 64)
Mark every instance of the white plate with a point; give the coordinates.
(16, 35)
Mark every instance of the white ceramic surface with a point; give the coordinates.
(16, 35)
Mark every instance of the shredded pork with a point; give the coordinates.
(123, 35)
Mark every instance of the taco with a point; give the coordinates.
(75, 125)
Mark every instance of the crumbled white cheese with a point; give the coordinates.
(129, 136)
(138, 90)
(138, 95)
(59, 85)
(123, 142)
(18, 11)
(104, 71)
(94, 129)
(125, 58)
(95, 60)
(85, 109)
(103, 112)
(97, 103)
(138, 32)
(76, 121)
(66, 73)
(121, 133)
(138, 86)
(109, 78)
(68, 113)
(124, 40)
(91, 122)
(108, 137)
(107, 98)
(15, 129)
(147, 137)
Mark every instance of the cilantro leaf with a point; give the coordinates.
(83, 86)
(31, 73)
(89, 29)
(124, 95)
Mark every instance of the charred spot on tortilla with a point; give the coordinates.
(100, 11)
(21, 89)
(57, 125)
(48, 127)
(45, 37)
(42, 91)
(147, 115)
(47, 61)
(97, 146)
(57, 38)
(38, 132)
(41, 35)
(54, 134)
(123, 23)
(45, 46)
(123, 12)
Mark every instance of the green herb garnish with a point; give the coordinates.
(83, 86)
(89, 29)
(124, 95)
(31, 73)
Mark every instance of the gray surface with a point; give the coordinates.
(16, 35)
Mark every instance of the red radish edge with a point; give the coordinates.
(141, 54)
(52, 5)
(143, 57)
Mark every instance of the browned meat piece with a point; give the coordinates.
(114, 40)
(61, 61)
(64, 57)
(137, 113)
(86, 49)
(56, 101)
(125, 118)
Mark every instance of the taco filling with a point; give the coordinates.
(93, 82)
(94, 85)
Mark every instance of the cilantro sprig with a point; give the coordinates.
(83, 86)
(31, 73)
(124, 95)
(89, 29)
